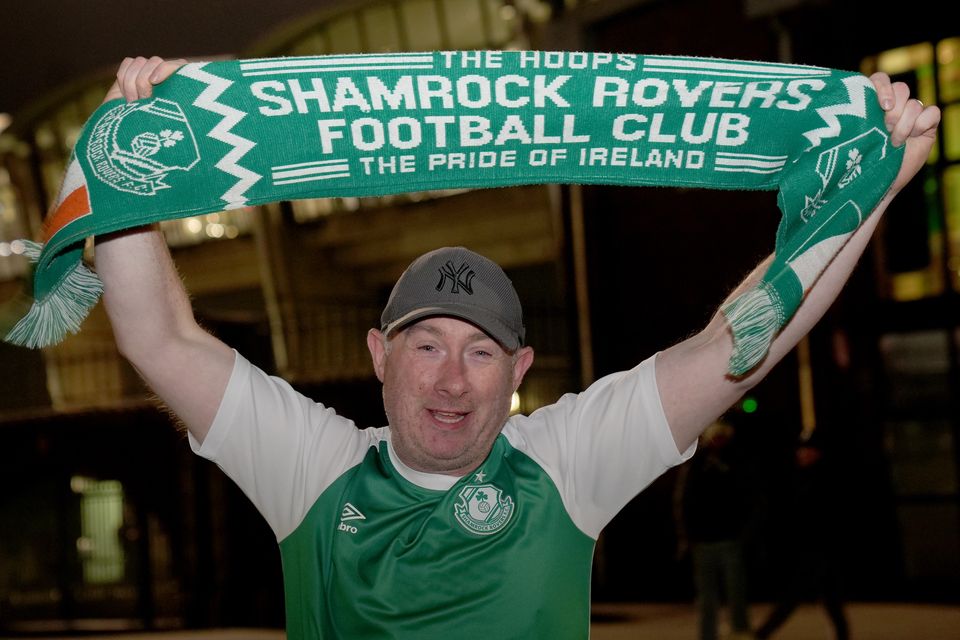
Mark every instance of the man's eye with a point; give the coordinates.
(427, 347)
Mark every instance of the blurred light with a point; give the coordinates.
(514, 403)
(954, 263)
(904, 59)
(5, 121)
(213, 217)
(194, 226)
(536, 10)
(946, 50)
(231, 231)
(17, 247)
(44, 138)
(215, 230)
(79, 484)
(5, 249)
(749, 404)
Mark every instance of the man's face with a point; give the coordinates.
(446, 391)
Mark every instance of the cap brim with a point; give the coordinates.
(486, 322)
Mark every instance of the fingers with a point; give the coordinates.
(136, 77)
(903, 128)
(128, 81)
(881, 82)
(116, 91)
(907, 117)
(901, 112)
(926, 122)
(916, 131)
(165, 69)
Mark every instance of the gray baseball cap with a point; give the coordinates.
(454, 281)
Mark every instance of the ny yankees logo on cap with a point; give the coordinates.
(451, 273)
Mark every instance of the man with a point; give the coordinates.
(714, 510)
(453, 521)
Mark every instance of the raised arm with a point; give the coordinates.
(148, 307)
(692, 376)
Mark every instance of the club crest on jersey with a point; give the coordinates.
(483, 509)
(134, 146)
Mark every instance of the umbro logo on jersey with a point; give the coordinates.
(348, 513)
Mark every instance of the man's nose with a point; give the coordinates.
(452, 379)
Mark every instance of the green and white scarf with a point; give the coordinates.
(222, 135)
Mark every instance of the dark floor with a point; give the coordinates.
(868, 621)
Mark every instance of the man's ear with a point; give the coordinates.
(377, 344)
(521, 365)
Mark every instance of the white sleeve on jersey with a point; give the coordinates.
(603, 446)
(280, 447)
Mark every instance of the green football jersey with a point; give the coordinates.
(374, 549)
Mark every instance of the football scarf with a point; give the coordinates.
(223, 135)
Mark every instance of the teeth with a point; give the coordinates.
(447, 417)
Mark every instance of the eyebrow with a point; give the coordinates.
(439, 333)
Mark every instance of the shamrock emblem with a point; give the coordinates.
(169, 138)
(853, 159)
(854, 167)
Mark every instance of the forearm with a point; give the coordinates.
(155, 328)
(143, 296)
(695, 386)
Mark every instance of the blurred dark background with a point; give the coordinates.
(109, 522)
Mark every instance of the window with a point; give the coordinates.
(101, 524)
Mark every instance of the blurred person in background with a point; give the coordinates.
(714, 509)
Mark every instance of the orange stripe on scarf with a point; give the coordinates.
(76, 205)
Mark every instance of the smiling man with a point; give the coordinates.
(449, 357)
(456, 520)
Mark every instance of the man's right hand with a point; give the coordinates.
(136, 77)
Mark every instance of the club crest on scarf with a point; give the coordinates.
(134, 146)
